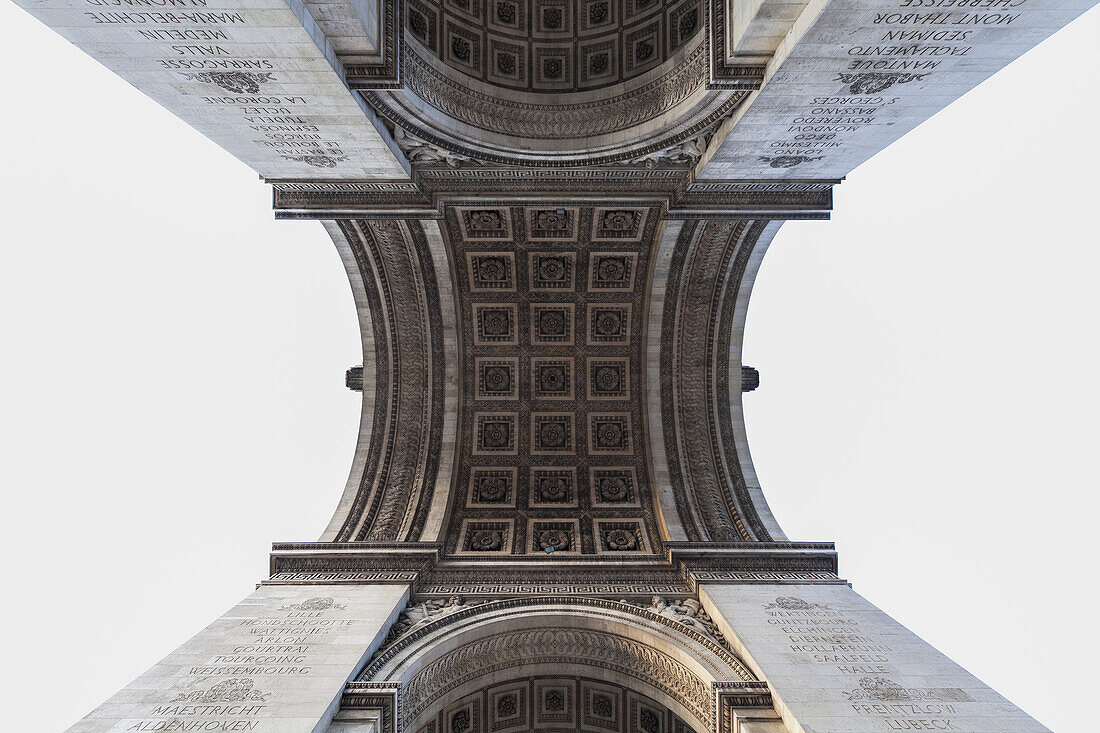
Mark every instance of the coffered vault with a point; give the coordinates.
(551, 214)
(587, 376)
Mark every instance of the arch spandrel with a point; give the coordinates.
(439, 655)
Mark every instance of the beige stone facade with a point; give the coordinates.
(551, 214)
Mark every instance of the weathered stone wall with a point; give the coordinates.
(245, 73)
(835, 662)
(275, 663)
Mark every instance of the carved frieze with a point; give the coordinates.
(396, 486)
(706, 273)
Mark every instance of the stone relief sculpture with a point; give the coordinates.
(420, 614)
(688, 612)
(686, 153)
(423, 153)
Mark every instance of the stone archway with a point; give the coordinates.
(570, 663)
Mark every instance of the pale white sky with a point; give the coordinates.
(172, 399)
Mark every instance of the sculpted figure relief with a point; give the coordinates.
(688, 612)
(420, 614)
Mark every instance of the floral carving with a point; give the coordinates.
(485, 220)
(486, 540)
(552, 269)
(601, 705)
(506, 706)
(612, 489)
(492, 488)
(788, 161)
(554, 539)
(498, 379)
(608, 323)
(873, 82)
(231, 690)
(883, 689)
(620, 540)
(322, 603)
(552, 489)
(793, 603)
(237, 82)
(554, 700)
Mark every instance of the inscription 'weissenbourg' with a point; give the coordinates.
(255, 648)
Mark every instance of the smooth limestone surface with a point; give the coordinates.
(277, 662)
(244, 73)
(855, 75)
(835, 663)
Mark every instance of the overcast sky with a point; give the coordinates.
(172, 399)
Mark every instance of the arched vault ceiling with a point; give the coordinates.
(591, 405)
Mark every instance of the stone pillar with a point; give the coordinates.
(275, 663)
(834, 662)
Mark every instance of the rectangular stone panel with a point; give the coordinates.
(275, 663)
(853, 76)
(835, 662)
(244, 73)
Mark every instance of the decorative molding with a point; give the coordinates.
(555, 121)
(346, 576)
(454, 612)
(669, 187)
(723, 73)
(383, 72)
(709, 488)
(562, 647)
(396, 487)
(734, 697)
(373, 696)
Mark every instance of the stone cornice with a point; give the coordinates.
(680, 197)
(421, 564)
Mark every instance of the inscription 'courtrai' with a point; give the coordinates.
(223, 693)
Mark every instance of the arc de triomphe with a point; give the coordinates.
(551, 213)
